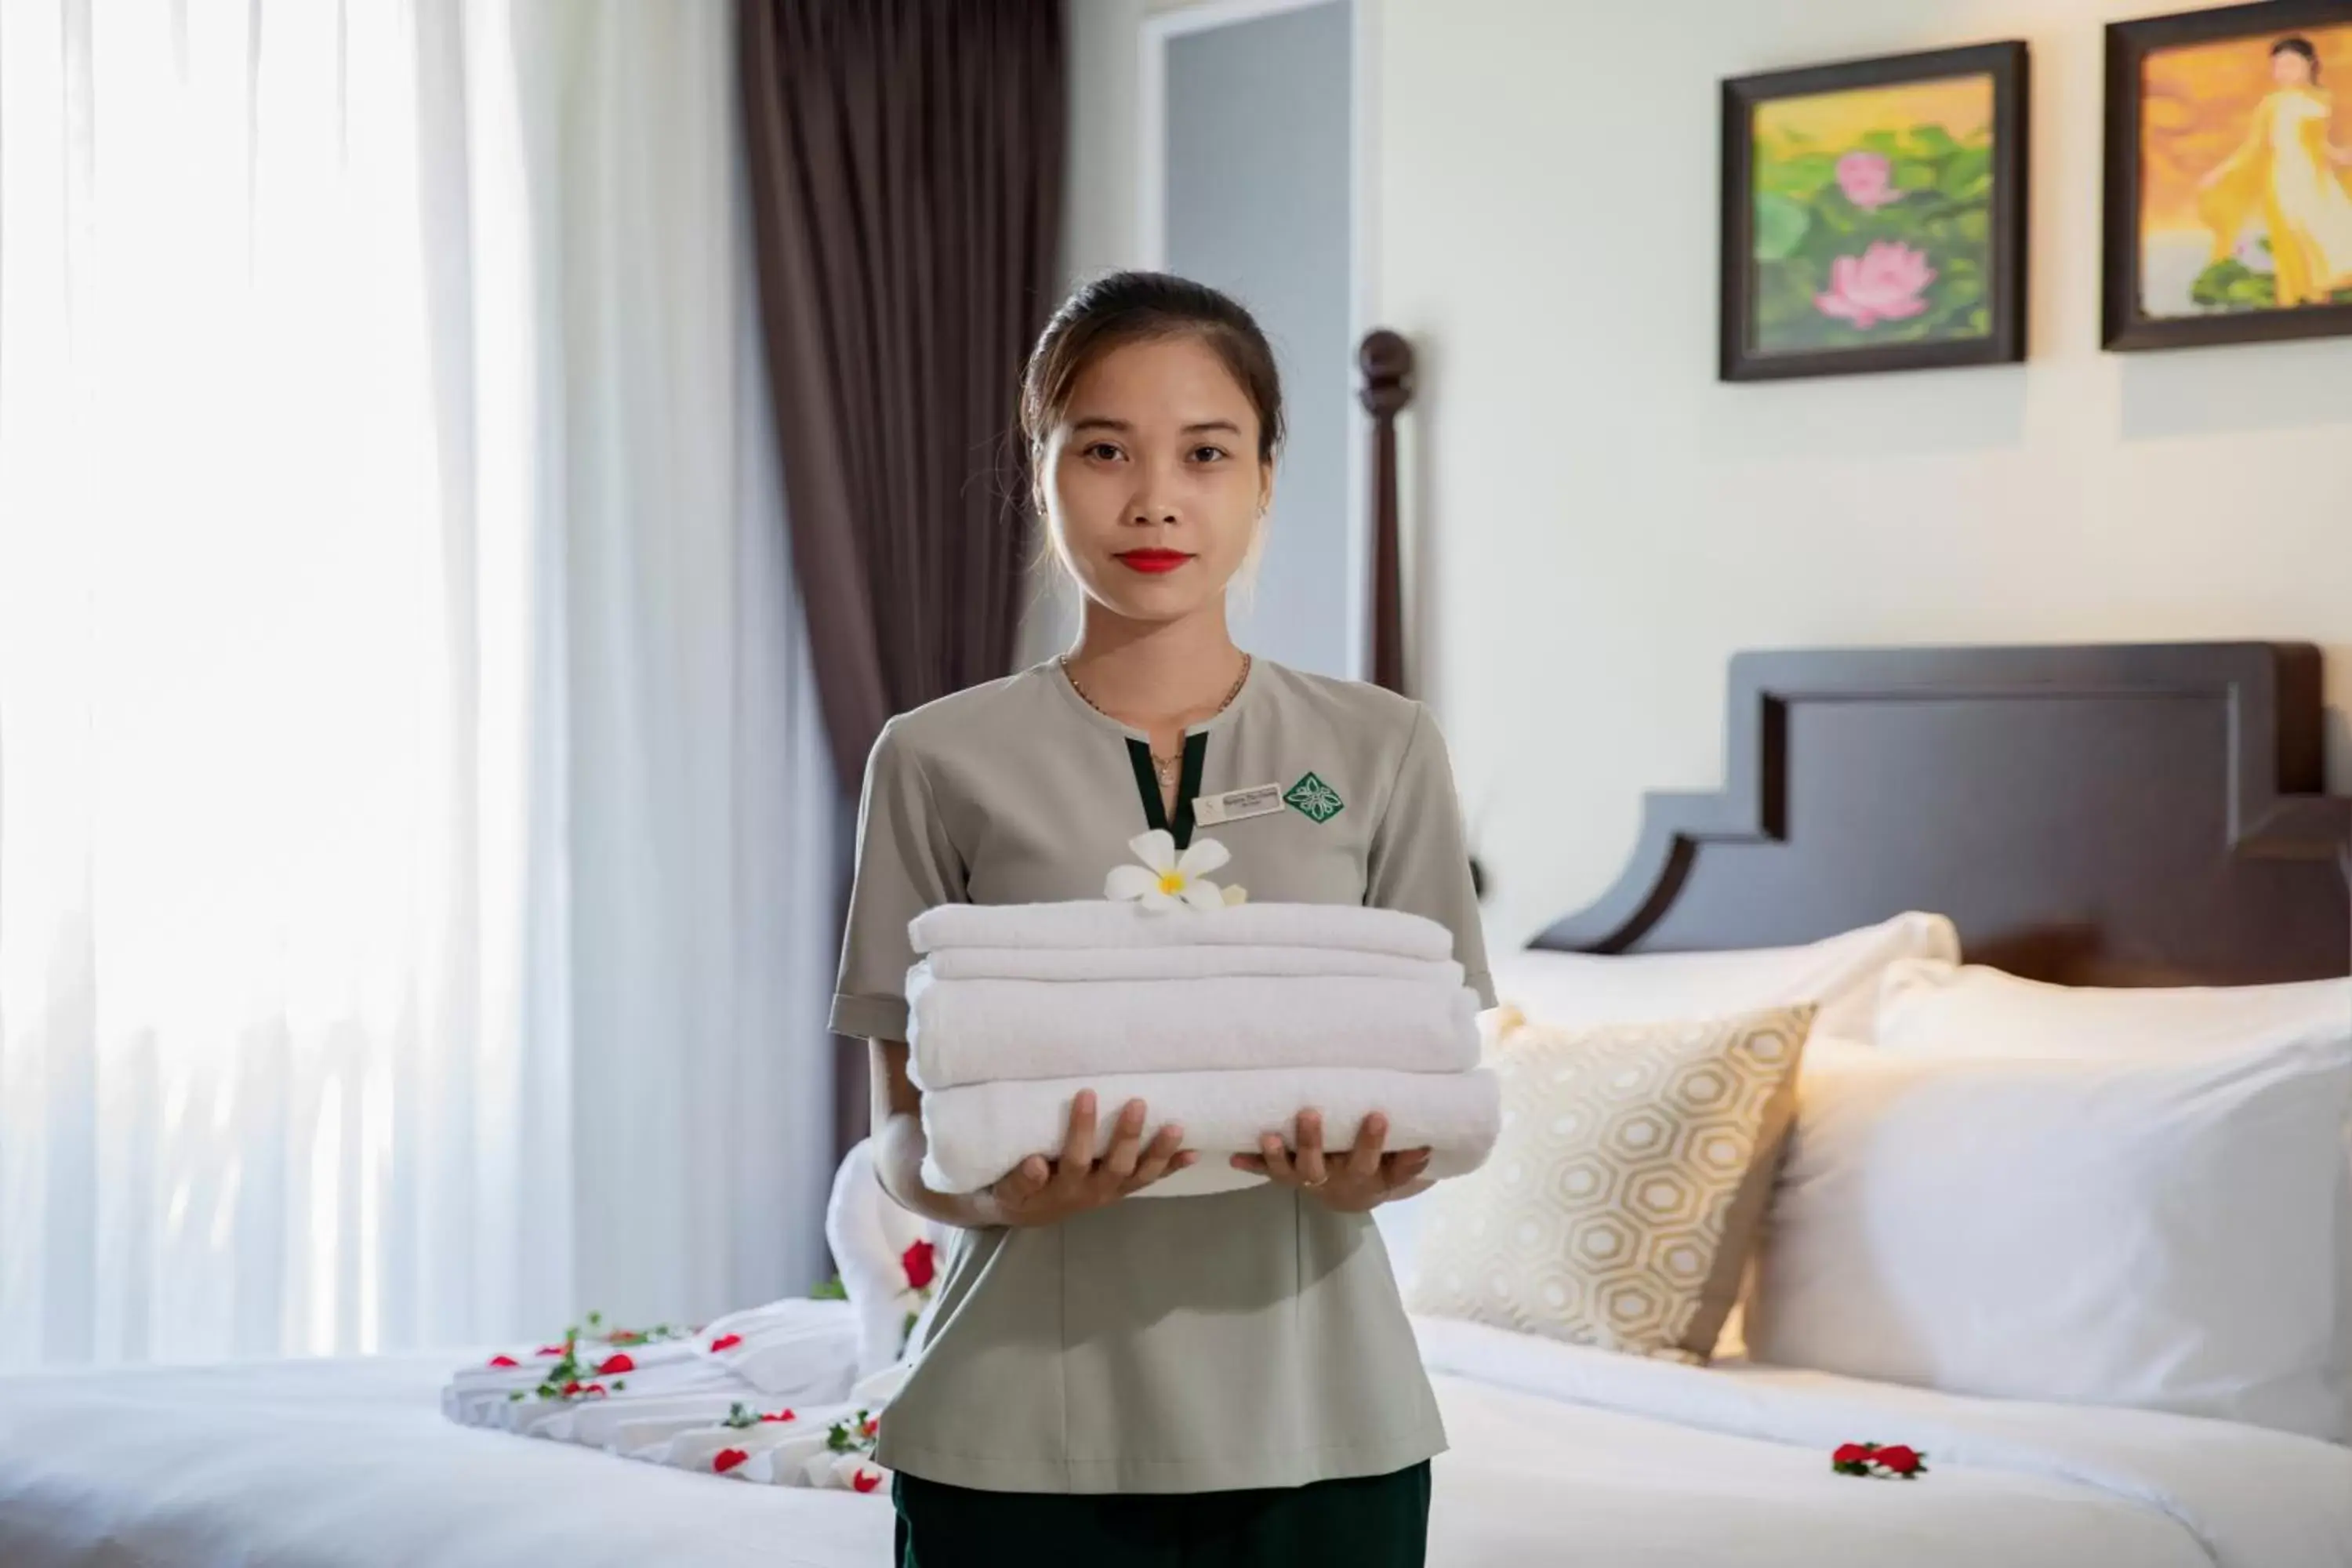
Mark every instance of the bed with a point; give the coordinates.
(1559, 1455)
(2116, 815)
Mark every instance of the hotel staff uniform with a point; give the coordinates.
(1223, 1344)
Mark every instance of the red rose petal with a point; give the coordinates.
(919, 1261)
(614, 1364)
(1852, 1453)
(549, 1350)
(865, 1480)
(873, 1424)
(778, 1416)
(504, 1361)
(727, 1460)
(726, 1341)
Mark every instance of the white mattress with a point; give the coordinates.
(1559, 1454)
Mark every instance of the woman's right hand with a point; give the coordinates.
(1039, 1191)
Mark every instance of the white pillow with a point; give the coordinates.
(1925, 1005)
(1839, 974)
(1934, 1008)
(2125, 1233)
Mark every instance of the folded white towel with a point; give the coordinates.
(979, 1132)
(788, 1349)
(872, 1239)
(598, 1421)
(794, 1351)
(1195, 962)
(975, 1031)
(1104, 922)
(788, 1376)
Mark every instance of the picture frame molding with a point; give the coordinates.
(2009, 64)
(2123, 326)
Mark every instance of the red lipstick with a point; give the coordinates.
(1153, 560)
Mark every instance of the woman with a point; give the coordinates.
(2288, 172)
(1226, 1379)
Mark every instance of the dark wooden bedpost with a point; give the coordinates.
(1386, 360)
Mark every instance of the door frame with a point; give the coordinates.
(1161, 28)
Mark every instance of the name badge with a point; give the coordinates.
(1257, 800)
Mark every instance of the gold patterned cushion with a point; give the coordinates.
(1624, 1193)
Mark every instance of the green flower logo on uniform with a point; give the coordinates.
(1319, 800)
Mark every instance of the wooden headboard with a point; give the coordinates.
(2096, 815)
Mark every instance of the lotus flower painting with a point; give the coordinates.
(1875, 215)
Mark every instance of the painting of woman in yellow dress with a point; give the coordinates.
(2290, 175)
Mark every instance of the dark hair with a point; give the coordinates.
(1122, 308)
(2298, 47)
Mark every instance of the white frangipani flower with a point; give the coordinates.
(1166, 879)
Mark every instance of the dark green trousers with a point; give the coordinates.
(1364, 1522)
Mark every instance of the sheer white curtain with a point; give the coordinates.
(413, 808)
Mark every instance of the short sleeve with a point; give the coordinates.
(906, 864)
(1419, 862)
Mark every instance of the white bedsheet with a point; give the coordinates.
(1559, 1455)
(1638, 1461)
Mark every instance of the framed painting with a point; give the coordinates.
(2228, 175)
(1873, 215)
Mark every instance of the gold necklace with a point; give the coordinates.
(1163, 766)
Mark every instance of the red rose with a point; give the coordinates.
(865, 1480)
(504, 1361)
(727, 1460)
(919, 1265)
(778, 1416)
(726, 1341)
(1852, 1454)
(1902, 1461)
(612, 1363)
(873, 1424)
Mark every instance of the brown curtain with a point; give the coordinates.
(906, 167)
(905, 172)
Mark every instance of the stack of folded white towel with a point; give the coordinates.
(1229, 1021)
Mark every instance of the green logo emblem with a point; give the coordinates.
(1319, 800)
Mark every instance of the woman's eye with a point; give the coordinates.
(1103, 452)
(1208, 454)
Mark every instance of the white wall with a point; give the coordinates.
(1605, 524)
(1600, 525)
(1276, 233)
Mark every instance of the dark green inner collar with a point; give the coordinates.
(1188, 784)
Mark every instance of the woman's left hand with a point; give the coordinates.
(1362, 1178)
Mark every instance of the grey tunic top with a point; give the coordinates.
(1245, 1338)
